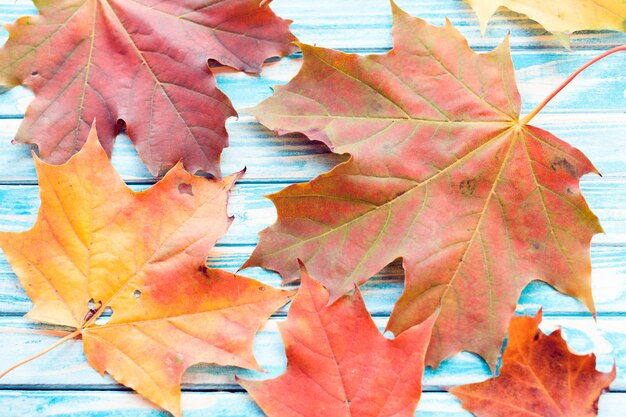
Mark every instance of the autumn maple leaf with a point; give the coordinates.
(539, 377)
(143, 255)
(443, 174)
(339, 363)
(139, 65)
(560, 17)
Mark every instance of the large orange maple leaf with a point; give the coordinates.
(139, 65)
(143, 255)
(339, 364)
(443, 174)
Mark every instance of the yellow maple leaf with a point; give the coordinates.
(560, 17)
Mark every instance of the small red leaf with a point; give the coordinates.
(539, 377)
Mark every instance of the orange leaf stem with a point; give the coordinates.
(43, 352)
(569, 79)
(69, 336)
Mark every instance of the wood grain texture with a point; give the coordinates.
(599, 135)
(590, 114)
(196, 404)
(381, 292)
(362, 24)
(253, 212)
(66, 366)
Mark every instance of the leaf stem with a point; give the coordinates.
(43, 352)
(569, 79)
(69, 336)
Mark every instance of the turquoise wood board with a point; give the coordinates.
(253, 212)
(590, 114)
(381, 292)
(196, 404)
(66, 367)
(295, 158)
(364, 24)
(537, 73)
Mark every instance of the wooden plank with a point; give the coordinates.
(336, 24)
(382, 291)
(600, 136)
(19, 206)
(214, 404)
(66, 366)
(589, 114)
(599, 89)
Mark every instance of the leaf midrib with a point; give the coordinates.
(81, 107)
(154, 77)
(186, 315)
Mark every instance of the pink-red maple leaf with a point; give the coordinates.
(139, 65)
(444, 174)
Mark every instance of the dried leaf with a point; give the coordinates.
(139, 65)
(339, 364)
(560, 17)
(143, 255)
(443, 174)
(539, 377)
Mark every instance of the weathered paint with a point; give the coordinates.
(589, 114)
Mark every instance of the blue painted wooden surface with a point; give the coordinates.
(590, 114)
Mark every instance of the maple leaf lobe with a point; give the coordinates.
(442, 174)
(217, 327)
(124, 69)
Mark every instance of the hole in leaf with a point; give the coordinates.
(34, 73)
(184, 188)
(105, 317)
(137, 294)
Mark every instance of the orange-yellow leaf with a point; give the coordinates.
(143, 255)
(443, 174)
(561, 17)
(339, 364)
(138, 65)
(539, 377)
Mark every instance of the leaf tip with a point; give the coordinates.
(396, 12)
(483, 26)
(564, 39)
